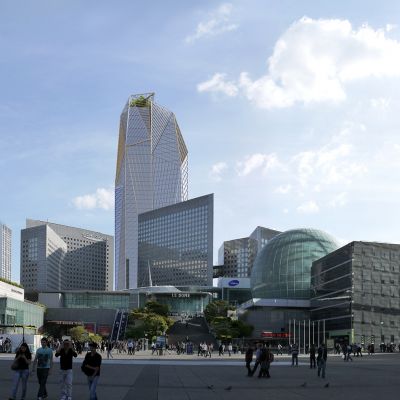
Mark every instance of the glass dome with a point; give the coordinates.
(282, 269)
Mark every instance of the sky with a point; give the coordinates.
(289, 109)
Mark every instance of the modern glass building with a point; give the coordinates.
(5, 252)
(282, 269)
(152, 172)
(176, 244)
(236, 257)
(262, 236)
(355, 293)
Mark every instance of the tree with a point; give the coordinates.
(217, 308)
(78, 333)
(155, 325)
(157, 308)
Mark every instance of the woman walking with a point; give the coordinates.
(20, 366)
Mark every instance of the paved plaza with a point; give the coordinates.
(184, 378)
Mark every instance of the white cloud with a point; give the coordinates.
(309, 207)
(314, 60)
(102, 198)
(217, 170)
(218, 84)
(219, 21)
(257, 161)
(380, 103)
(339, 200)
(390, 27)
(283, 189)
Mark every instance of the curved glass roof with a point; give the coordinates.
(282, 270)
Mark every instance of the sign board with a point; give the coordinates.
(160, 342)
(181, 295)
(276, 335)
(90, 326)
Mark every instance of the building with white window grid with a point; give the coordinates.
(57, 257)
(5, 252)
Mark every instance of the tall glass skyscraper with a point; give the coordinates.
(152, 172)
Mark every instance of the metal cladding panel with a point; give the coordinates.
(137, 130)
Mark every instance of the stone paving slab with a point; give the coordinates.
(367, 378)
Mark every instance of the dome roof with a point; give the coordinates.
(282, 269)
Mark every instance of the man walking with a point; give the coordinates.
(321, 359)
(295, 354)
(66, 353)
(249, 358)
(42, 363)
(91, 368)
(312, 356)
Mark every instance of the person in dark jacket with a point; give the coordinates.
(312, 356)
(91, 368)
(321, 359)
(20, 367)
(66, 354)
(249, 360)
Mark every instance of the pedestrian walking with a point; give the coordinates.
(20, 366)
(66, 354)
(295, 355)
(279, 350)
(109, 349)
(312, 356)
(321, 360)
(249, 359)
(43, 363)
(266, 357)
(91, 368)
(258, 361)
(230, 349)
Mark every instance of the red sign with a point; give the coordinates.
(276, 335)
(104, 330)
(90, 326)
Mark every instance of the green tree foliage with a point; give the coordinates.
(141, 101)
(217, 308)
(78, 333)
(157, 308)
(223, 326)
(153, 320)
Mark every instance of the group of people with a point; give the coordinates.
(43, 365)
(264, 357)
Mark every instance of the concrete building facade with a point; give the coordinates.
(57, 257)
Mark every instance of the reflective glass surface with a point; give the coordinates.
(283, 267)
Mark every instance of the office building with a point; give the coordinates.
(57, 257)
(355, 293)
(236, 257)
(151, 173)
(281, 278)
(5, 252)
(262, 236)
(176, 244)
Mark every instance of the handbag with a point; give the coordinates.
(15, 365)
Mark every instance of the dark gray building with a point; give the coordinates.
(176, 244)
(263, 236)
(355, 293)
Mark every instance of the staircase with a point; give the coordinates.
(196, 331)
(119, 326)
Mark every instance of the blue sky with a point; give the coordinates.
(288, 109)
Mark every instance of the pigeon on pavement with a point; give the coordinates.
(228, 388)
(327, 385)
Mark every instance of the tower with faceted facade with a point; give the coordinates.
(152, 172)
